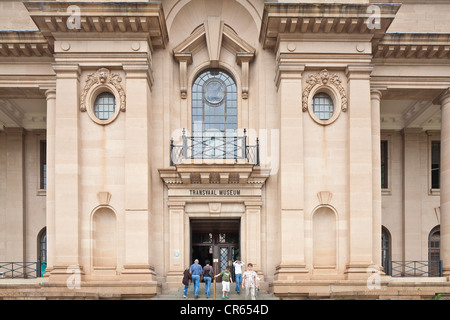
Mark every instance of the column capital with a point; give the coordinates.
(358, 72)
(177, 205)
(67, 70)
(139, 71)
(375, 94)
(50, 94)
(444, 98)
(288, 69)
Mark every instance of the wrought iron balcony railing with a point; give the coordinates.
(415, 268)
(226, 147)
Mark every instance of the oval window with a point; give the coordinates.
(323, 106)
(104, 106)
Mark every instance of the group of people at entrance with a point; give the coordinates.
(248, 280)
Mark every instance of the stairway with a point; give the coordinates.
(178, 294)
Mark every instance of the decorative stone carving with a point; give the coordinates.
(105, 77)
(324, 77)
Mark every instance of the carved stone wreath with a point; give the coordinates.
(103, 76)
(324, 78)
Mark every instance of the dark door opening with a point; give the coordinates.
(216, 240)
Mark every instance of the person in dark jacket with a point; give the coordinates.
(186, 279)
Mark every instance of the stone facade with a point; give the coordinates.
(121, 198)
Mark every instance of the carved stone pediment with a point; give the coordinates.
(213, 34)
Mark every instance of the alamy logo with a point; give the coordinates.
(74, 280)
(373, 21)
(74, 21)
(374, 280)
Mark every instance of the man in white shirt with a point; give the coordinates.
(238, 274)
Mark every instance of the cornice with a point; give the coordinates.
(413, 45)
(335, 18)
(101, 17)
(24, 44)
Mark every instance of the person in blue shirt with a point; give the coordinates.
(196, 270)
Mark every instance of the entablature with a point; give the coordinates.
(57, 19)
(242, 175)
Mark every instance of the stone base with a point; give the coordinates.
(360, 271)
(387, 288)
(291, 272)
(173, 281)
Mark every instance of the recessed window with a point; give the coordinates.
(323, 106)
(43, 164)
(435, 164)
(384, 164)
(104, 106)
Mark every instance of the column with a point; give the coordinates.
(176, 252)
(445, 182)
(137, 175)
(375, 98)
(360, 172)
(290, 175)
(66, 222)
(15, 215)
(50, 94)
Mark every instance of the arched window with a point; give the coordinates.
(42, 250)
(385, 249)
(214, 103)
(434, 251)
(214, 116)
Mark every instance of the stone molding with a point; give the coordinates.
(324, 78)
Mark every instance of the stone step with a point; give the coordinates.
(233, 295)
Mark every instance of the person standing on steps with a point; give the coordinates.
(196, 270)
(226, 279)
(207, 275)
(250, 282)
(238, 274)
(186, 279)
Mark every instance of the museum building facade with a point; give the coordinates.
(308, 138)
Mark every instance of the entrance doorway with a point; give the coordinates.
(216, 240)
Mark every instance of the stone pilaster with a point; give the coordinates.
(445, 182)
(67, 217)
(176, 244)
(291, 176)
(138, 259)
(360, 172)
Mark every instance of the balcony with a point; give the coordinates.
(214, 148)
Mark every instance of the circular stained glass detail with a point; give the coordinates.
(214, 91)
